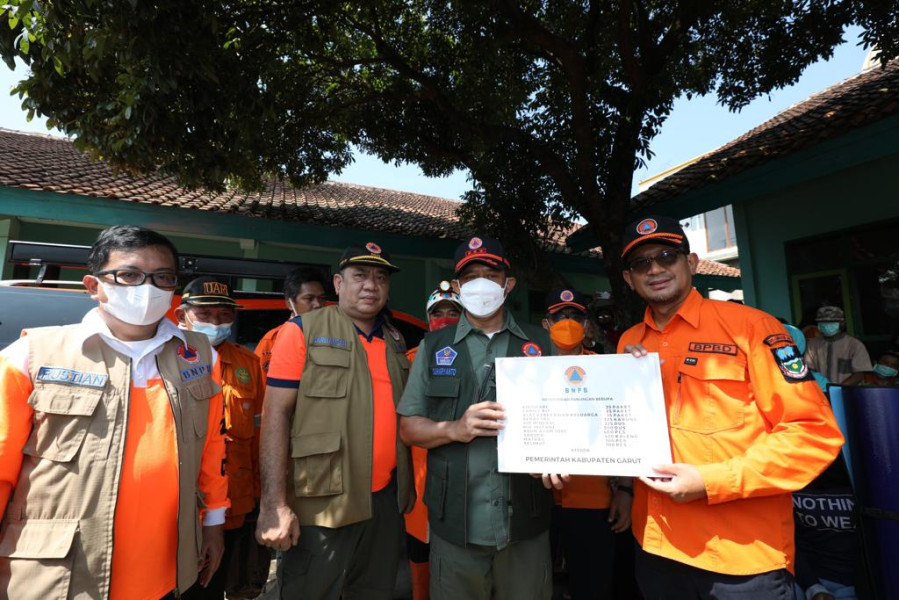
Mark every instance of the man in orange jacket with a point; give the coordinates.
(589, 509)
(443, 308)
(207, 307)
(304, 290)
(748, 426)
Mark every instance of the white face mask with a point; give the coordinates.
(482, 297)
(136, 304)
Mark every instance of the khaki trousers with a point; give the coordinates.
(520, 571)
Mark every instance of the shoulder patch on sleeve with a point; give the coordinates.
(790, 363)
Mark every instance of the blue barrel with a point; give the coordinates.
(872, 422)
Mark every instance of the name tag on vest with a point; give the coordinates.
(71, 377)
(443, 372)
(328, 341)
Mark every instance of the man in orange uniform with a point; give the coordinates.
(443, 308)
(330, 423)
(748, 426)
(304, 290)
(208, 308)
(110, 437)
(589, 509)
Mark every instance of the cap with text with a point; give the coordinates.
(654, 230)
(368, 254)
(207, 291)
(480, 249)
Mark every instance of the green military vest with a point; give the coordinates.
(332, 429)
(450, 391)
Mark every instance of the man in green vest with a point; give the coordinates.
(489, 530)
(337, 515)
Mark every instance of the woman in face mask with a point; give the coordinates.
(886, 371)
(566, 321)
(589, 510)
(444, 307)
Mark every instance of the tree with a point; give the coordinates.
(550, 105)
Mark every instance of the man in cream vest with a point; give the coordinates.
(329, 424)
(111, 480)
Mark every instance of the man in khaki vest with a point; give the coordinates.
(329, 423)
(111, 480)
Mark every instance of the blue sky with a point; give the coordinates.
(695, 126)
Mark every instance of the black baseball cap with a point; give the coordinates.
(369, 254)
(483, 250)
(207, 291)
(565, 297)
(654, 230)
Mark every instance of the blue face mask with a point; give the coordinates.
(884, 371)
(216, 333)
(829, 329)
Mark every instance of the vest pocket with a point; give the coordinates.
(39, 556)
(435, 485)
(331, 374)
(443, 393)
(61, 420)
(198, 394)
(317, 464)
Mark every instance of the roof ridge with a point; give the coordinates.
(799, 126)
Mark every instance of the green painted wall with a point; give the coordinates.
(856, 196)
(424, 262)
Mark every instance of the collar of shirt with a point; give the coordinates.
(688, 311)
(464, 327)
(377, 330)
(142, 368)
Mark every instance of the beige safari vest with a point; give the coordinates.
(57, 534)
(331, 434)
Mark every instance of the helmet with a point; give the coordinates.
(443, 292)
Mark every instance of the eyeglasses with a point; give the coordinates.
(164, 280)
(665, 259)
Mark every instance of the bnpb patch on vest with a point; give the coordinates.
(195, 372)
(531, 349)
(71, 377)
(446, 356)
(188, 353)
